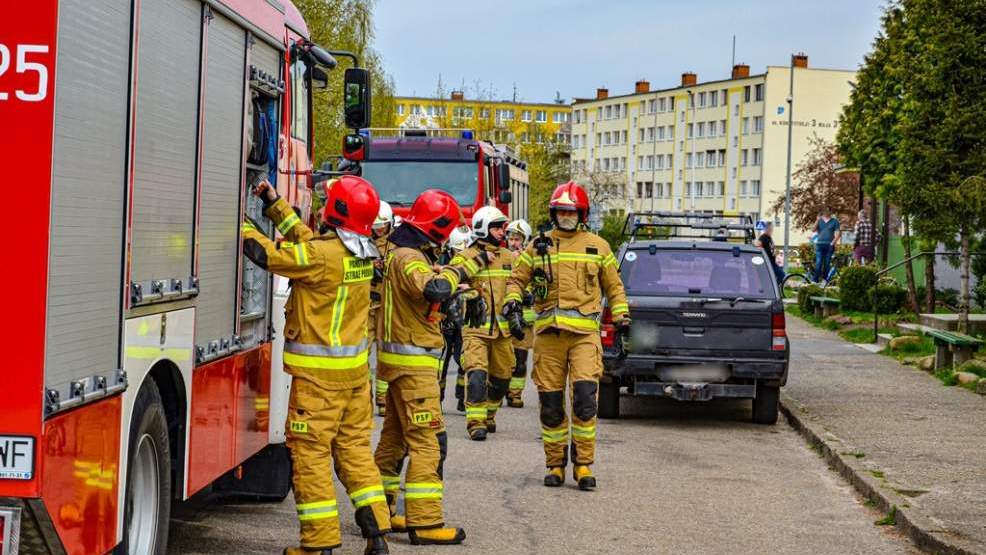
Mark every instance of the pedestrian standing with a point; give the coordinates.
(409, 359)
(828, 233)
(863, 251)
(325, 351)
(569, 269)
(766, 242)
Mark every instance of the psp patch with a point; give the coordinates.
(421, 418)
(299, 427)
(356, 269)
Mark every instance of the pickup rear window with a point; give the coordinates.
(697, 272)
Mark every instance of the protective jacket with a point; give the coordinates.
(491, 283)
(569, 281)
(410, 329)
(325, 315)
(376, 288)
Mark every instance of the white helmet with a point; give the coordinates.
(521, 227)
(484, 218)
(458, 240)
(385, 216)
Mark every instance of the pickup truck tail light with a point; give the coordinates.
(779, 331)
(607, 331)
(10, 528)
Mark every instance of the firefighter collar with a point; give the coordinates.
(359, 245)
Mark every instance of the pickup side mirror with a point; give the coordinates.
(506, 197)
(356, 98)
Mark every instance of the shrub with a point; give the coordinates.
(979, 293)
(948, 296)
(855, 283)
(804, 294)
(889, 298)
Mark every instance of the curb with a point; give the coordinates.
(918, 527)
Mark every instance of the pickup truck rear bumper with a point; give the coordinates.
(646, 366)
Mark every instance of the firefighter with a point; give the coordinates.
(452, 326)
(382, 227)
(487, 352)
(518, 236)
(410, 348)
(325, 351)
(569, 269)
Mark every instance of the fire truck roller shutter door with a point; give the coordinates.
(219, 216)
(165, 140)
(88, 188)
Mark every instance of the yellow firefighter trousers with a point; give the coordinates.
(489, 362)
(413, 427)
(574, 359)
(325, 427)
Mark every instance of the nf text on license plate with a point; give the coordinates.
(16, 457)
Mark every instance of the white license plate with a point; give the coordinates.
(16, 457)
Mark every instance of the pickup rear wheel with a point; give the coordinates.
(148, 499)
(765, 404)
(609, 400)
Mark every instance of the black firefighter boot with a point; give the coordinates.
(376, 543)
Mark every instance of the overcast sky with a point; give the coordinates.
(570, 47)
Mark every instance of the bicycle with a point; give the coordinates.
(798, 279)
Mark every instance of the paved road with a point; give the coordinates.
(673, 479)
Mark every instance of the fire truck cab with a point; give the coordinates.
(141, 343)
(402, 163)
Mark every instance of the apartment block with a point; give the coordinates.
(716, 146)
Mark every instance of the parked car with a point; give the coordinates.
(708, 319)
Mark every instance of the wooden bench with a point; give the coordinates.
(951, 348)
(824, 306)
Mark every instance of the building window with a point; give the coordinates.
(559, 117)
(650, 134)
(755, 188)
(662, 104)
(609, 112)
(484, 113)
(660, 132)
(416, 109)
(688, 160)
(525, 115)
(722, 158)
(758, 93)
(623, 163)
(670, 161)
(746, 126)
(701, 129)
(691, 130)
(641, 136)
(722, 189)
(640, 189)
(714, 98)
(722, 127)
(701, 100)
(724, 95)
(688, 189)
(541, 116)
(649, 189)
(400, 109)
(578, 116)
(744, 157)
(746, 93)
(710, 158)
(742, 188)
(756, 157)
(758, 124)
(623, 137)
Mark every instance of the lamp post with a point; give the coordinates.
(691, 192)
(787, 187)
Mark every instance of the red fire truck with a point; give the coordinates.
(140, 341)
(401, 163)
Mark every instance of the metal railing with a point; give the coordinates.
(876, 289)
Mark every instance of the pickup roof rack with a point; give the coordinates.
(689, 225)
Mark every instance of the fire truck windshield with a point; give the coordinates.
(400, 182)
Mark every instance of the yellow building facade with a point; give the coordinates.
(714, 147)
(497, 121)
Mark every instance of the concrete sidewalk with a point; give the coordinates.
(896, 433)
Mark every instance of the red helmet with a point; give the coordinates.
(435, 213)
(351, 203)
(570, 197)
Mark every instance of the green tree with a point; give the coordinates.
(547, 166)
(818, 184)
(943, 143)
(612, 228)
(345, 25)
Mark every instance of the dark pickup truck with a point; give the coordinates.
(708, 322)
